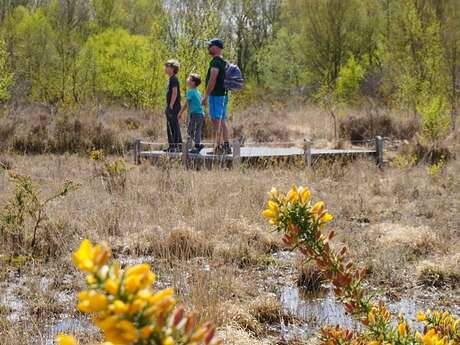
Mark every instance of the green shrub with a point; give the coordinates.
(6, 77)
(435, 121)
(24, 217)
(124, 67)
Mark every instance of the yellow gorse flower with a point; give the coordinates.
(432, 338)
(90, 258)
(302, 224)
(92, 301)
(63, 339)
(293, 195)
(304, 195)
(279, 204)
(402, 329)
(421, 316)
(96, 155)
(126, 308)
(272, 212)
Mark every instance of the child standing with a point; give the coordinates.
(195, 111)
(173, 107)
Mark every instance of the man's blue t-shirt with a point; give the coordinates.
(194, 101)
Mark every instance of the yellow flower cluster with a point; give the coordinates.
(118, 166)
(279, 204)
(96, 155)
(302, 225)
(441, 328)
(126, 308)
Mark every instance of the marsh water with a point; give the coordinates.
(309, 311)
(316, 310)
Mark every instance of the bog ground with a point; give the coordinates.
(203, 234)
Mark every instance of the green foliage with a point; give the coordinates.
(348, 83)
(327, 32)
(6, 77)
(25, 213)
(195, 23)
(435, 169)
(34, 57)
(109, 13)
(415, 55)
(122, 66)
(279, 65)
(113, 173)
(402, 53)
(435, 121)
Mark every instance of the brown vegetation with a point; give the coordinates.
(203, 233)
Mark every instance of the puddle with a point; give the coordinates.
(129, 260)
(317, 311)
(10, 297)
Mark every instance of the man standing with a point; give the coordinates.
(217, 97)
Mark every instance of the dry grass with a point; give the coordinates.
(309, 277)
(441, 272)
(203, 234)
(35, 129)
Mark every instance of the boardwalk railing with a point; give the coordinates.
(254, 151)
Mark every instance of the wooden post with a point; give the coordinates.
(185, 148)
(379, 150)
(307, 153)
(236, 153)
(137, 151)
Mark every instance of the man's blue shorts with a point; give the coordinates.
(218, 107)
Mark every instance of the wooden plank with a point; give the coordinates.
(254, 152)
(332, 152)
(245, 152)
(178, 155)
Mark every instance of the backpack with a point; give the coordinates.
(234, 80)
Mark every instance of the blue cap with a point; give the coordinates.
(216, 42)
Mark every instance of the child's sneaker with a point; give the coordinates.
(227, 150)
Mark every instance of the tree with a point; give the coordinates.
(108, 13)
(448, 13)
(122, 67)
(69, 19)
(414, 54)
(141, 15)
(345, 91)
(280, 65)
(30, 39)
(250, 25)
(331, 31)
(191, 24)
(321, 35)
(6, 77)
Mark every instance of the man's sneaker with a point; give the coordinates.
(227, 150)
(197, 149)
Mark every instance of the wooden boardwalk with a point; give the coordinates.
(253, 153)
